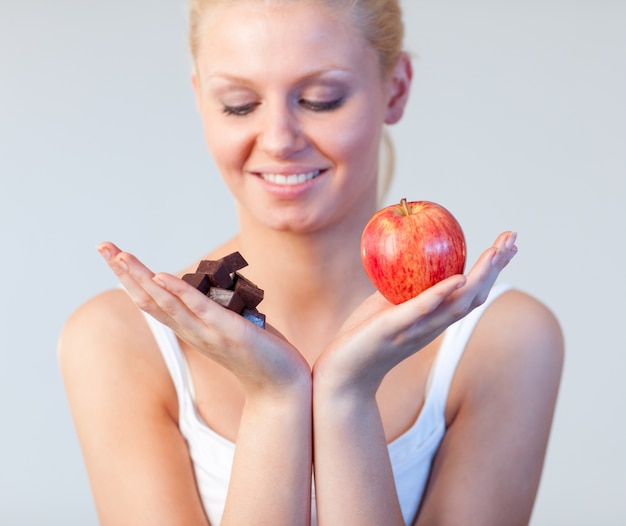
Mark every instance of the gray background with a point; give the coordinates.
(517, 120)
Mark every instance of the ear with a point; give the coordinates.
(195, 84)
(400, 85)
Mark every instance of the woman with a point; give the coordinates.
(189, 414)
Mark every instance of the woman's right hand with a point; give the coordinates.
(379, 335)
(262, 360)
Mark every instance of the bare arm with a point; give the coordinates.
(354, 481)
(488, 468)
(125, 413)
(125, 420)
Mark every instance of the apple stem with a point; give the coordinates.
(405, 208)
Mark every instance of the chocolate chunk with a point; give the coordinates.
(199, 281)
(219, 280)
(217, 272)
(254, 316)
(249, 292)
(234, 262)
(227, 298)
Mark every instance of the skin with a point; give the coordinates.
(344, 376)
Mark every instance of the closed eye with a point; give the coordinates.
(242, 110)
(322, 105)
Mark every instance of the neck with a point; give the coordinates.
(312, 281)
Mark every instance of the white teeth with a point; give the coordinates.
(290, 179)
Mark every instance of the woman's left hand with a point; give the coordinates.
(379, 335)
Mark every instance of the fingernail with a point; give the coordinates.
(158, 280)
(494, 257)
(510, 240)
(104, 252)
(121, 263)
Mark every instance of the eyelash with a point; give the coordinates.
(239, 111)
(318, 107)
(322, 106)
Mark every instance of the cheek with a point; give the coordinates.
(356, 141)
(226, 144)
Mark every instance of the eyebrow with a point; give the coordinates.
(303, 80)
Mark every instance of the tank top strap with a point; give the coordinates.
(175, 361)
(452, 347)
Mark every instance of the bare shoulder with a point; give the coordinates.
(499, 414)
(106, 315)
(106, 342)
(518, 324)
(517, 348)
(124, 407)
(522, 329)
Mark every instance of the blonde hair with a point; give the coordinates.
(382, 25)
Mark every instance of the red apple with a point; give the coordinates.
(408, 247)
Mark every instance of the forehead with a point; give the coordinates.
(261, 35)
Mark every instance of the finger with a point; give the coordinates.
(197, 306)
(152, 297)
(148, 295)
(138, 281)
(485, 272)
(506, 249)
(421, 307)
(107, 250)
(113, 256)
(134, 275)
(227, 337)
(449, 301)
(207, 325)
(505, 239)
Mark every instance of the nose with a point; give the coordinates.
(281, 135)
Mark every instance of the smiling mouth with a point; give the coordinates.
(290, 179)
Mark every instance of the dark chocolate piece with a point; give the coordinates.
(198, 281)
(219, 280)
(234, 262)
(249, 292)
(254, 316)
(227, 298)
(217, 272)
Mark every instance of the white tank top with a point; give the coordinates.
(411, 454)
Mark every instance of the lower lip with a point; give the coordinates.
(289, 191)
